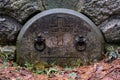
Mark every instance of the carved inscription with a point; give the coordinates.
(59, 25)
(62, 29)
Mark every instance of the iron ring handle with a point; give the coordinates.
(80, 44)
(39, 44)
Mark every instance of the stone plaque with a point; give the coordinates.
(59, 36)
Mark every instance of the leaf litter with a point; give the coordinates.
(97, 71)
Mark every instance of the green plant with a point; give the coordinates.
(5, 56)
(72, 75)
(15, 64)
(46, 71)
(36, 72)
(5, 65)
(110, 48)
(67, 68)
(28, 66)
(78, 63)
(50, 70)
(112, 53)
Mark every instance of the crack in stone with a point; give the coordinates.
(43, 5)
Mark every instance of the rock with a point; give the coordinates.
(111, 29)
(21, 10)
(100, 10)
(8, 49)
(7, 52)
(97, 10)
(9, 29)
(3, 3)
(70, 4)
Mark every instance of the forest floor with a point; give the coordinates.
(9, 70)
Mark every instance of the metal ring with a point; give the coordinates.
(39, 45)
(80, 46)
(80, 43)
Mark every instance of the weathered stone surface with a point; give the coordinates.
(62, 36)
(9, 29)
(20, 9)
(111, 29)
(7, 49)
(7, 52)
(70, 4)
(23, 9)
(96, 10)
(99, 10)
